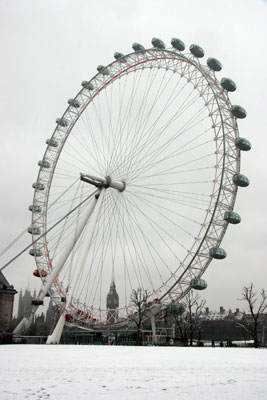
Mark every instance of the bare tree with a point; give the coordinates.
(189, 322)
(139, 300)
(251, 322)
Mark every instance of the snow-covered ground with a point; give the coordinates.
(126, 373)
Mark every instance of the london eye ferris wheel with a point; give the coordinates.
(142, 172)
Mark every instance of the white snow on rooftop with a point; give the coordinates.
(127, 373)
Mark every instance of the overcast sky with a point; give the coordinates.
(49, 47)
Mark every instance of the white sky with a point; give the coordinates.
(49, 47)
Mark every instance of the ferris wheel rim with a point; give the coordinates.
(100, 77)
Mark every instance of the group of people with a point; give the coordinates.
(228, 343)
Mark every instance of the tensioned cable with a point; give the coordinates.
(137, 117)
(48, 230)
(64, 225)
(151, 155)
(150, 140)
(151, 129)
(130, 138)
(134, 240)
(89, 129)
(172, 200)
(97, 246)
(177, 114)
(143, 120)
(157, 227)
(149, 203)
(93, 249)
(131, 215)
(13, 242)
(25, 230)
(85, 146)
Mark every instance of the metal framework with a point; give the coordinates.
(197, 256)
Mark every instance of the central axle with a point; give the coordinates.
(103, 182)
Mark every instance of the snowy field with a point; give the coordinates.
(126, 373)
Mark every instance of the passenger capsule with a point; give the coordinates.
(198, 284)
(238, 112)
(118, 55)
(242, 144)
(35, 252)
(232, 217)
(197, 51)
(37, 302)
(175, 308)
(38, 186)
(138, 47)
(40, 273)
(74, 103)
(177, 44)
(62, 122)
(52, 142)
(44, 164)
(34, 230)
(214, 64)
(102, 69)
(228, 84)
(159, 44)
(88, 85)
(218, 253)
(68, 317)
(35, 208)
(241, 180)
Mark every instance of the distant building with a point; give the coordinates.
(112, 304)
(220, 315)
(221, 325)
(7, 293)
(25, 302)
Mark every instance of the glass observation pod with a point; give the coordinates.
(87, 85)
(178, 44)
(34, 230)
(44, 164)
(158, 82)
(35, 208)
(238, 112)
(228, 84)
(51, 142)
(40, 273)
(232, 217)
(74, 103)
(138, 47)
(38, 186)
(35, 252)
(242, 144)
(68, 317)
(218, 253)
(198, 284)
(62, 122)
(197, 51)
(214, 64)
(103, 69)
(118, 56)
(175, 309)
(158, 43)
(240, 180)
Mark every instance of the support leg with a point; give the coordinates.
(56, 335)
(26, 321)
(153, 325)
